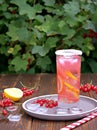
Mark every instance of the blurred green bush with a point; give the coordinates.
(31, 31)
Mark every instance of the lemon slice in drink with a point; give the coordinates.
(60, 85)
(14, 94)
(71, 75)
(71, 88)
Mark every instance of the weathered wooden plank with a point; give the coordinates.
(47, 85)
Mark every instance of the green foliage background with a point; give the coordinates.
(31, 31)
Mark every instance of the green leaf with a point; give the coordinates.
(50, 26)
(49, 2)
(51, 42)
(68, 32)
(19, 64)
(13, 32)
(43, 62)
(18, 2)
(27, 9)
(21, 34)
(3, 39)
(89, 25)
(64, 29)
(3, 6)
(3, 50)
(40, 18)
(16, 49)
(1, 1)
(28, 56)
(81, 18)
(93, 65)
(72, 8)
(24, 35)
(42, 51)
(94, 17)
(24, 8)
(31, 71)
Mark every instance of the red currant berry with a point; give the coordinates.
(4, 112)
(23, 89)
(92, 87)
(85, 89)
(1, 104)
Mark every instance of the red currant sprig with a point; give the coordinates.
(6, 102)
(4, 112)
(91, 34)
(87, 87)
(48, 103)
(28, 91)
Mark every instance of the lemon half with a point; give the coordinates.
(14, 94)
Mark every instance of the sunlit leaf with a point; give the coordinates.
(89, 25)
(72, 8)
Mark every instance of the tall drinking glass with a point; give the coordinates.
(68, 62)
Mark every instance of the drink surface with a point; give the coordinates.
(68, 78)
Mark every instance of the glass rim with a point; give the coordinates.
(68, 52)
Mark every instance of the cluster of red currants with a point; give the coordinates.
(27, 92)
(48, 103)
(91, 34)
(5, 102)
(87, 87)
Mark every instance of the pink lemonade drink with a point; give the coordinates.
(68, 75)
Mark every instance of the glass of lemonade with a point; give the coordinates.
(68, 62)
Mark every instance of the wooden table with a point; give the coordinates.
(47, 85)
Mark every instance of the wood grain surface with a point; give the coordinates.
(47, 85)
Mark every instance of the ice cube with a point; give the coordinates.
(42, 110)
(32, 106)
(62, 111)
(14, 117)
(12, 108)
(75, 110)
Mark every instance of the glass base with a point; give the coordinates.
(68, 108)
